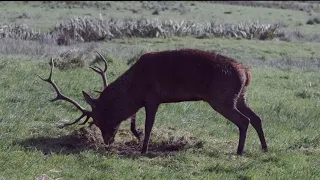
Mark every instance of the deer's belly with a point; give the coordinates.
(180, 98)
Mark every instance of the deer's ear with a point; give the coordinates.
(89, 100)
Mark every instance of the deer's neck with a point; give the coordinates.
(119, 99)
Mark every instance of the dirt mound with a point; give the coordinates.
(163, 142)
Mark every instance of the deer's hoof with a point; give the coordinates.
(140, 134)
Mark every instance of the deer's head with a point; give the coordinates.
(107, 128)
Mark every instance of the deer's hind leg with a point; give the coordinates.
(255, 120)
(227, 108)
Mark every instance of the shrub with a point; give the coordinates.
(87, 29)
(314, 20)
(70, 59)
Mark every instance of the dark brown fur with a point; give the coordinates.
(176, 76)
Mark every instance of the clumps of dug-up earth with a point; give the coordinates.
(163, 142)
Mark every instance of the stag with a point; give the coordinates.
(171, 77)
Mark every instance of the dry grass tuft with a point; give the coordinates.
(87, 29)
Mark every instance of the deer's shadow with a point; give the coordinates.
(75, 144)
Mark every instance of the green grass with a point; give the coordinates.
(287, 101)
(250, 52)
(44, 15)
(284, 92)
(240, 49)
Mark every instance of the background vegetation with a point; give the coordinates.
(279, 41)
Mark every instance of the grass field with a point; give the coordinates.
(189, 140)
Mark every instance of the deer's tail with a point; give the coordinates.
(249, 78)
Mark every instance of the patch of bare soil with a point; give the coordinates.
(84, 139)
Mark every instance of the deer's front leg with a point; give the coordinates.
(133, 127)
(151, 110)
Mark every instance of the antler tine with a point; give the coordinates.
(95, 69)
(77, 120)
(100, 71)
(105, 62)
(103, 75)
(85, 121)
(97, 91)
(50, 76)
(60, 96)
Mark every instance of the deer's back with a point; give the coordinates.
(187, 75)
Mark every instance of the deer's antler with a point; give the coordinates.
(60, 96)
(102, 72)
